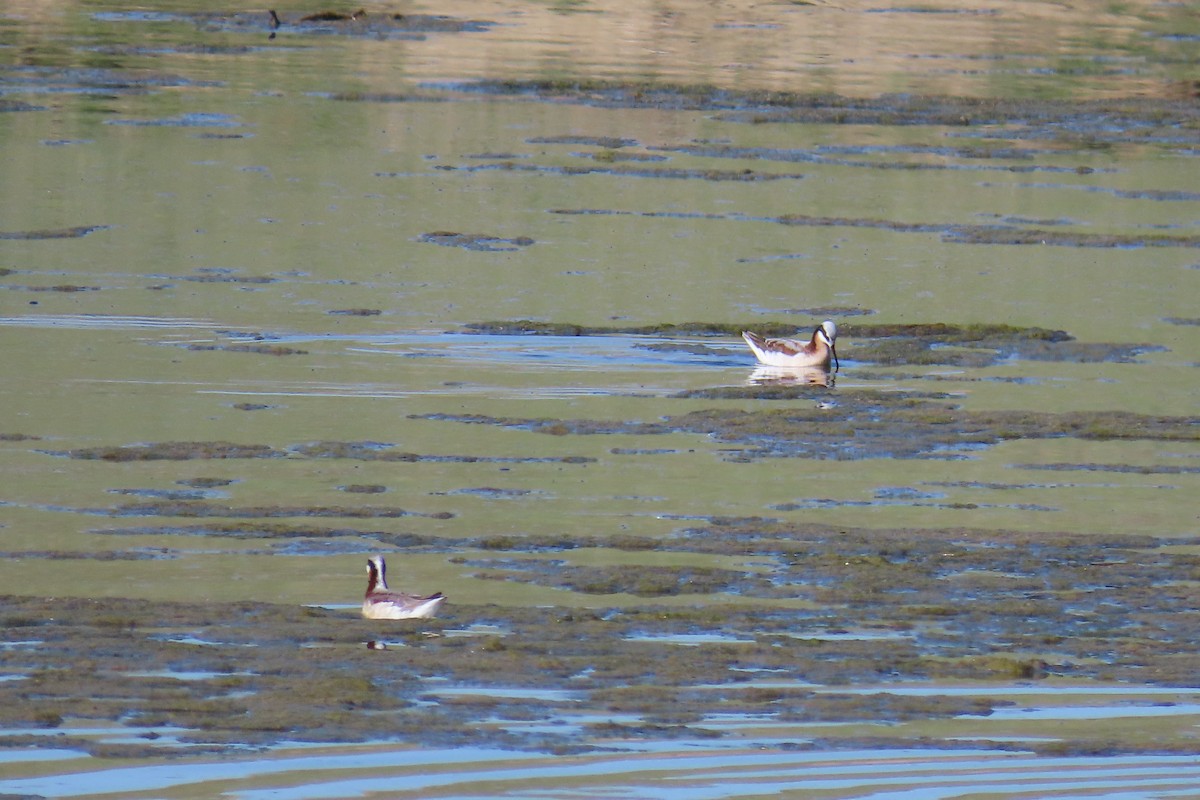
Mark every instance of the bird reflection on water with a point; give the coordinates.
(791, 376)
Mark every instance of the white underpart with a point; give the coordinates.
(388, 609)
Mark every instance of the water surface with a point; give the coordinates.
(245, 272)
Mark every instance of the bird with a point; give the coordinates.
(381, 602)
(796, 353)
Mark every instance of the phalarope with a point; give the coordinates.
(796, 353)
(381, 602)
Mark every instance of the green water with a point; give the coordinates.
(263, 193)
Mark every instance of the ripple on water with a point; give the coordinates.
(670, 774)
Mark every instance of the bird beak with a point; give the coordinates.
(828, 340)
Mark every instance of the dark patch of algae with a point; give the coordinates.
(358, 24)
(76, 232)
(261, 349)
(876, 606)
(745, 175)
(1086, 123)
(865, 423)
(883, 344)
(860, 424)
(475, 241)
(357, 451)
(950, 231)
(934, 604)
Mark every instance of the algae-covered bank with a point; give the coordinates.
(464, 285)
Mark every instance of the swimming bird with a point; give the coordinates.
(796, 353)
(381, 602)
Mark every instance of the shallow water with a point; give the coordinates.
(241, 286)
(915, 773)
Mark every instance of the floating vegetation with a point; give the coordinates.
(955, 334)
(1133, 469)
(612, 156)
(950, 231)
(879, 607)
(190, 48)
(607, 142)
(358, 451)
(978, 345)
(260, 349)
(224, 276)
(863, 424)
(475, 241)
(328, 16)
(360, 23)
(838, 156)
(637, 617)
(206, 483)
(374, 451)
(64, 288)
(195, 508)
(981, 235)
(879, 343)
(17, 105)
(98, 555)
(1087, 122)
(76, 232)
(641, 581)
(628, 172)
(385, 97)
(174, 451)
